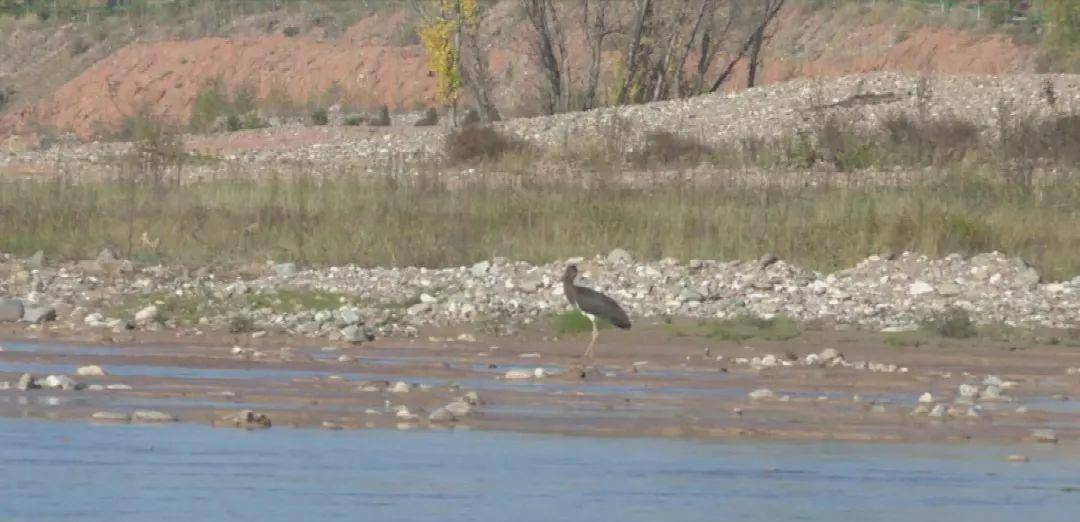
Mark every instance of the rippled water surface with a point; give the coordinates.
(80, 471)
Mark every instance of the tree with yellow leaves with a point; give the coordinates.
(451, 36)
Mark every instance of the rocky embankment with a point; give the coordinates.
(355, 304)
(766, 113)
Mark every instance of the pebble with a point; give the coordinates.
(459, 408)
(327, 425)
(937, 411)
(1045, 435)
(247, 419)
(110, 416)
(442, 415)
(926, 398)
(1017, 458)
(400, 387)
(761, 394)
(152, 416)
(26, 382)
(92, 370)
(518, 374)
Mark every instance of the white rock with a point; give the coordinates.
(400, 387)
(761, 394)
(926, 398)
(152, 416)
(968, 390)
(146, 315)
(117, 387)
(459, 408)
(937, 411)
(92, 370)
(829, 354)
(518, 374)
(920, 288)
(441, 415)
(1044, 435)
(540, 373)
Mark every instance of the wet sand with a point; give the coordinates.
(646, 382)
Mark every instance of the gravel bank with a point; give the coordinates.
(357, 304)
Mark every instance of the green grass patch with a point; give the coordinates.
(296, 300)
(573, 321)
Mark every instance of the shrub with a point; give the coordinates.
(253, 121)
(6, 95)
(474, 143)
(354, 120)
(319, 117)
(668, 148)
(953, 323)
(291, 31)
(240, 323)
(232, 123)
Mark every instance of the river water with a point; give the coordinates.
(81, 471)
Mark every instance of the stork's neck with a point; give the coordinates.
(570, 290)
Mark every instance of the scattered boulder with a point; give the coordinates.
(110, 416)
(27, 382)
(38, 314)
(761, 394)
(11, 310)
(518, 375)
(152, 416)
(919, 288)
(147, 315)
(1044, 435)
(59, 382)
(247, 419)
(285, 269)
(400, 387)
(441, 415)
(459, 408)
(926, 398)
(92, 370)
(620, 256)
(355, 334)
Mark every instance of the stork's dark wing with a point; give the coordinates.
(600, 305)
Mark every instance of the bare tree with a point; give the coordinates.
(641, 19)
(596, 30)
(752, 43)
(474, 71)
(550, 48)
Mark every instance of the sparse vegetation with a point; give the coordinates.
(480, 143)
(319, 117)
(214, 103)
(954, 323)
(742, 328)
(419, 220)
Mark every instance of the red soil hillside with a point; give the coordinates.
(363, 69)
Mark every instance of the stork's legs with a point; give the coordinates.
(589, 351)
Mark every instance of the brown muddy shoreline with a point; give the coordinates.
(643, 383)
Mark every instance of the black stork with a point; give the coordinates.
(593, 304)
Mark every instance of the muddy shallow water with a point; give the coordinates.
(80, 471)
